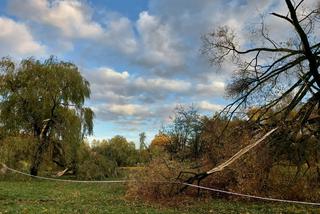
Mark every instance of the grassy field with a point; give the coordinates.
(52, 197)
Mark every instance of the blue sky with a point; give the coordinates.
(141, 57)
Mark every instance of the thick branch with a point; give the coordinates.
(240, 153)
(305, 42)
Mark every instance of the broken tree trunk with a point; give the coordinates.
(200, 176)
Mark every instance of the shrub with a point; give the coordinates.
(17, 152)
(155, 181)
(94, 166)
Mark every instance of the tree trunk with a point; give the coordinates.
(58, 154)
(42, 146)
(38, 156)
(75, 160)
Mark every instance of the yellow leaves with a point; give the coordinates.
(160, 141)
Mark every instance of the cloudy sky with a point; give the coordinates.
(142, 57)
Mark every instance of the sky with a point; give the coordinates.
(141, 57)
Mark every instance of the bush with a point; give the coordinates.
(96, 168)
(154, 182)
(17, 152)
(119, 150)
(93, 166)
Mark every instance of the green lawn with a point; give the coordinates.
(52, 197)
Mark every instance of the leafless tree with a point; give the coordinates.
(267, 75)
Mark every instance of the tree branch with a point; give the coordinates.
(282, 17)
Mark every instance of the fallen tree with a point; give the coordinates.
(200, 176)
(281, 77)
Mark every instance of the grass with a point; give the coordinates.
(34, 196)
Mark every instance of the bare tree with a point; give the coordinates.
(267, 75)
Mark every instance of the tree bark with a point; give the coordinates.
(38, 156)
(58, 154)
(41, 148)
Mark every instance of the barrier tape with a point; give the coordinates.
(253, 196)
(187, 184)
(61, 180)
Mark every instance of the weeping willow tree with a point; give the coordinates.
(279, 78)
(46, 100)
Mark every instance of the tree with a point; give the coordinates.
(142, 138)
(272, 71)
(46, 100)
(276, 70)
(160, 140)
(94, 165)
(119, 150)
(184, 133)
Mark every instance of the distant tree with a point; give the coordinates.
(160, 140)
(184, 133)
(142, 139)
(118, 149)
(159, 145)
(46, 100)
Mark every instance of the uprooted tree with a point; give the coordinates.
(44, 100)
(273, 72)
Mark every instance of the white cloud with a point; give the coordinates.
(168, 85)
(69, 20)
(159, 44)
(99, 94)
(128, 109)
(214, 88)
(120, 34)
(207, 106)
(16, 40)
(121, 113)
(134, 101)
(110, 75)
(72, 18)
(121, 87)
